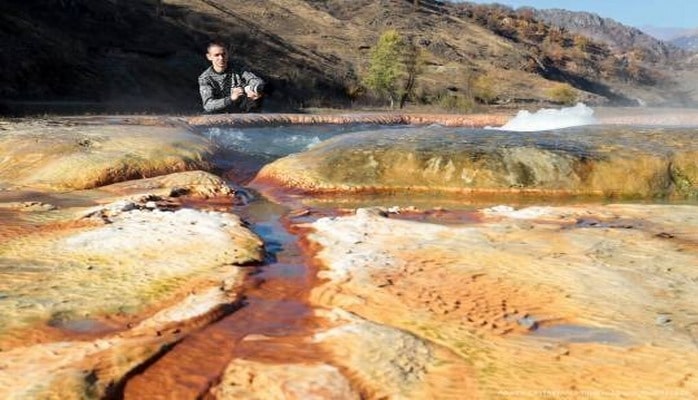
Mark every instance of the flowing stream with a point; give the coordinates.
(274, 307)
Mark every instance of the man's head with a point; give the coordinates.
(218, 55)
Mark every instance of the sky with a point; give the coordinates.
(637, 13)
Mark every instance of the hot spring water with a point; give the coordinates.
(565, 151)
(273, 307)
(279, 141)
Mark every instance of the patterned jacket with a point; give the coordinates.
(215, 88)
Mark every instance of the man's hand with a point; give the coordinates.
(236, 93)
(253, 95)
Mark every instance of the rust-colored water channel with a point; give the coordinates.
(274, 322)
(274, 308)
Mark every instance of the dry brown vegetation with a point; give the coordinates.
(144, 55)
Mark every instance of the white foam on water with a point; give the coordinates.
(271, 141)
(296, 142)
(223, 134)
(550, 118)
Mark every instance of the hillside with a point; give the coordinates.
(683, 38)
(673, 58)
(688, 42)
(619, 37)
(145, 55)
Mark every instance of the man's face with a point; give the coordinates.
(218, 57)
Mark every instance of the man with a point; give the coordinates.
(224, 90)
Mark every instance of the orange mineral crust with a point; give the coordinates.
(573, 300)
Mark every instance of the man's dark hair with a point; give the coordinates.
(216, 43)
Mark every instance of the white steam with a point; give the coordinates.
(549, 118)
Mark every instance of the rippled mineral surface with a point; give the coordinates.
(572, 300)
(96, 282)
(410, 261)
(582, 161)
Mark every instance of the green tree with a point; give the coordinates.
(387, 68)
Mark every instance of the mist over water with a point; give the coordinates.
(549, 118)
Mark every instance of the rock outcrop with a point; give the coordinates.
(152, 288)
(593, 161)
(199, 184)
(87, 300)
(352, 358)
(89, 293)
(567, 299)
(622, 38)
(66, 154)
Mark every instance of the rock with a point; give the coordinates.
(391, 363)
(124, 259)
(97, 368)
(367, 213)
(472, 288)
(528, 323)
(28, 206)
(594, 160)
(350, 358)
(60, 155)
(188, 183)
(254, 380)
(663, 320)
(87, 300)
(90, 294)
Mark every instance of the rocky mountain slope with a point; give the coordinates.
(145, 55)
(619, 37)
(675, 56)
(683, 38)
(688, 42)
